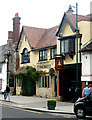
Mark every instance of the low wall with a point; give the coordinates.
(18, 90)
(44, 92)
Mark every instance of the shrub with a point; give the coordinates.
(29, 80)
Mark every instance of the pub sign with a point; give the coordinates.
(58, 63)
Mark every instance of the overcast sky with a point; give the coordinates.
(36, 13)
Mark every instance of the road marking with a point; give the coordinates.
(21, 109)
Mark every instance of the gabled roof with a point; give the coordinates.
(49, 38)
(87, 47)
(39, 38)
(71, 19)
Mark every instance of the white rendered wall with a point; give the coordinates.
(86, 66)
(3, 76)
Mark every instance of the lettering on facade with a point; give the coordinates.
(44, 67)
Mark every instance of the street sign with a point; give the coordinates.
(58, 63)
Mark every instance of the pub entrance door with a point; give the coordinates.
(67, 82)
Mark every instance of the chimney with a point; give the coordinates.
(16, 28)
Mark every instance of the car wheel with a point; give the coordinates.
(80, 113)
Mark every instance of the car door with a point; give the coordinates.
(88, 104)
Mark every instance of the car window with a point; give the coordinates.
(90, 96)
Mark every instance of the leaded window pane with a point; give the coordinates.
(62, 46)
(43, 55)
(45, 81)
(39, 82)
(48, 82)
(66, 46)
(25, 56)
(53, 52)
(71, 45)
(42, 81)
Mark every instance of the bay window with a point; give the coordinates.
(67, 46)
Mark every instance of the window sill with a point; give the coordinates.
(51, 58)
(41, 62)
(25, 62)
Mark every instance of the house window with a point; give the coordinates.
(53, 52)
(44, 82)
(67, 46)
(43, 55)
(25, 56)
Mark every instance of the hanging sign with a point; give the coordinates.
(58, 63)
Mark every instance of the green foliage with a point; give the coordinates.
(29, 80)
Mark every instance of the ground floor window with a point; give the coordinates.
(44, 81)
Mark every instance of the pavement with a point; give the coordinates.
(37, 104)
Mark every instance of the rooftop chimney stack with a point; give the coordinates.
(16, 28)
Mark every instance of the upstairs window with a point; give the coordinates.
(43, 55)
(67, 46)
(25, 56)
(53, 52)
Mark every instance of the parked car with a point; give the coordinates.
(83, 106)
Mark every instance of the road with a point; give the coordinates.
(15, 113)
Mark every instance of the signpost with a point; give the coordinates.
(58, 66)
(58, 63)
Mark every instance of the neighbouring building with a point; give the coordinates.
(37, 48)
(86, 77)
(3, 68)
(13, 58)
(66, 47)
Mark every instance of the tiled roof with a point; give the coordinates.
(40, 38)
(21, 70)
(87, 47)
(48, 39)
(72, 18)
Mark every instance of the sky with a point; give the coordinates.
(36, 13)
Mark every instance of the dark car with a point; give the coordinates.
(83, 106)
